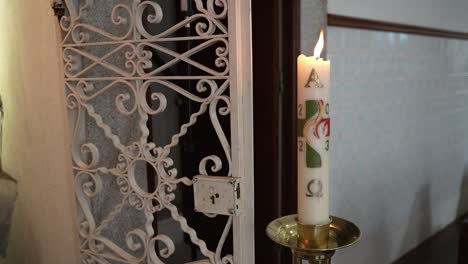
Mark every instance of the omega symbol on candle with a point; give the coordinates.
(314, 188)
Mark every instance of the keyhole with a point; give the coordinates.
(213, 198)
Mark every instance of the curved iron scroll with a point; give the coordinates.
(109, 72)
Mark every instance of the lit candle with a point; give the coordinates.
(313, 95)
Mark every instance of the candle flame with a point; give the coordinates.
(319, 47)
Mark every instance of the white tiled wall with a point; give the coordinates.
(400, 138)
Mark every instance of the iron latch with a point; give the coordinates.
(216, 194)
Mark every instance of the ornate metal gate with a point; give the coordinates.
(115, 86)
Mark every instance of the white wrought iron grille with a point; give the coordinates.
(113, 87)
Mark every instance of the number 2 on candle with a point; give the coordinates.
(301, 146)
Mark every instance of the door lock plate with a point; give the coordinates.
(216, 194)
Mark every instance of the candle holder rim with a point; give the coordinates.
(283, 231)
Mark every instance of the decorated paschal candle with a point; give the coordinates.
(313, 109)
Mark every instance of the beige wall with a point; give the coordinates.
(35, 143)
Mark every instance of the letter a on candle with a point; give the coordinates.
(313, 77)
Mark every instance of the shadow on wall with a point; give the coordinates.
(463, 202)
(419, 226)
(378, 250)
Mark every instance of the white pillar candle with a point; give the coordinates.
(313, 95)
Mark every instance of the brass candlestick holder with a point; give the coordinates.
(313, 243)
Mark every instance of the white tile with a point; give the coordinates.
(400, 136)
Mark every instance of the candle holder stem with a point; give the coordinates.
(312, 257)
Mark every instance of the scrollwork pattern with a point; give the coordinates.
(122, 52)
